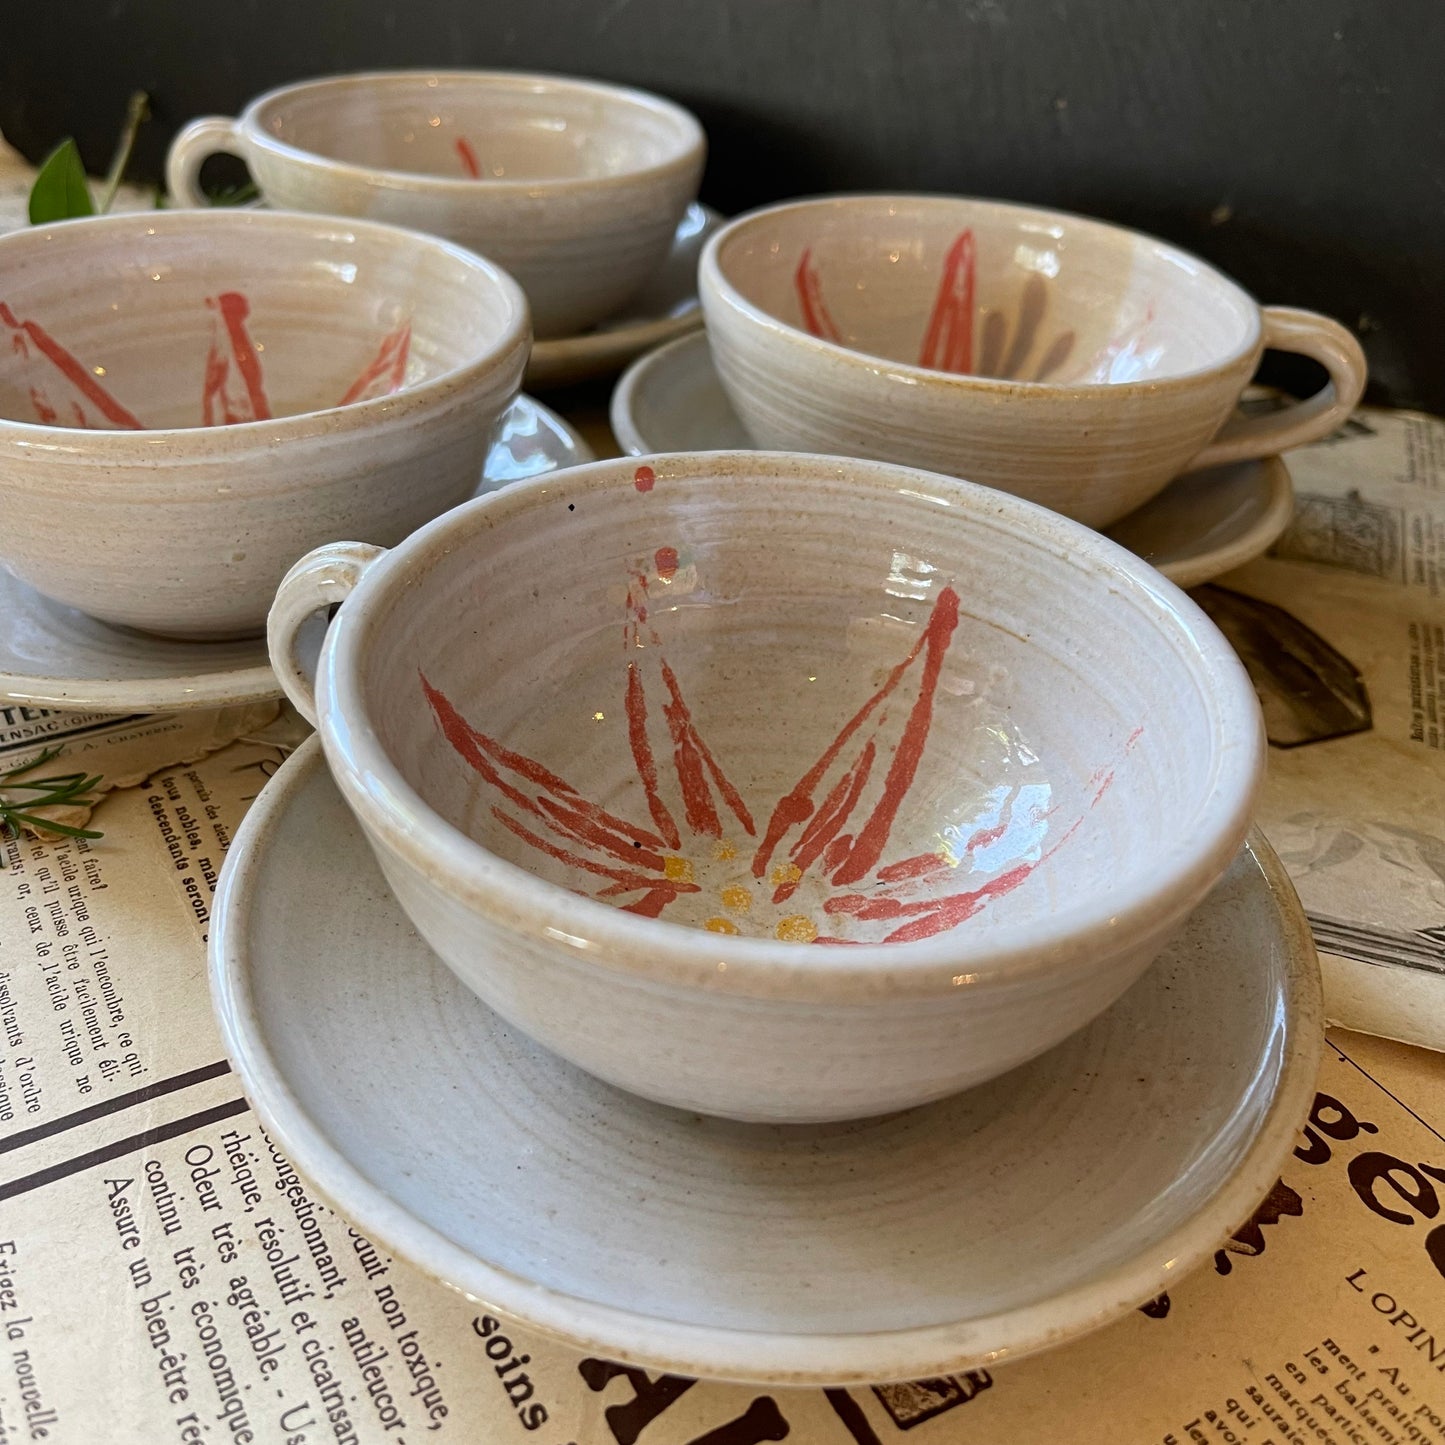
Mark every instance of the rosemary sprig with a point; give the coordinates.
(60, 790)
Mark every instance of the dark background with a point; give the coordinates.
(1298, 144)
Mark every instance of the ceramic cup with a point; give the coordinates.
(575, 187)
(773, 786)
(1071, 362)
(189, 400)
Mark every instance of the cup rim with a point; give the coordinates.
(713, 278)
(516, 331)
(659, 949)
(690, 137)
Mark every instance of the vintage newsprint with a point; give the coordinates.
(1343, 628)
(166, 1275)
(118, 750)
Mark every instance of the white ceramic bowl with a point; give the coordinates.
(189, 400)
(1071, 362)
(627, 740)
(575, 187)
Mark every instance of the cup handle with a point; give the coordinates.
(1309, 334)
(324, 578)
(196, 144)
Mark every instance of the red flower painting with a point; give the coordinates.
(1013, 350)
(817, 867)
(66, 392)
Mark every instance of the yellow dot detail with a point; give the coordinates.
(724, 851)
(678, 870)
(797, 929)
(720, 925)
(785, 873)
(737, 898)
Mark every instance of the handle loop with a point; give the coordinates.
(322, 579)
(1308, 334)
(192, 148)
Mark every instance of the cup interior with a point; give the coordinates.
(983, 289)
(479, 126)
(792, 698)
(194, 319)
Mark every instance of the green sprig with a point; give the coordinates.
(61, 192)
(61, 790)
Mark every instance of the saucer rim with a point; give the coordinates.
(1185, 572)
(756, 1356)
(245, 683)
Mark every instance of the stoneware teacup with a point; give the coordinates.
(575, 187)
(189, 400)
(773, 786)
(1071, 362)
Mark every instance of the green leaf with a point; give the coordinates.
(60, 191)
(50, 826)
(57, 791)
(43, 756)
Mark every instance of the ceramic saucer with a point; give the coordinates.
(992, 1224)
(666, 308)
(531, 439)
(54, 656)
(1202, 525)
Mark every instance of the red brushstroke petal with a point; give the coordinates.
(468, 157)
(810, 300)
(873, 836)
(213, 389)
(79, 376)
(836, 809)
(921, 866)
(951, 911)
(650, 905)
(948, 341)
(559, 806)
(677, 708)
(644, 478)
(588, 865)
(837, 851)
(235, 309)
(388, 367)
(796, 806)
(697, 801)
(643, 760)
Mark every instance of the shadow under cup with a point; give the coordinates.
(190, 401)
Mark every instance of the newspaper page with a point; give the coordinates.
(1342, 627)
(117, 750)
(167, 1275)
